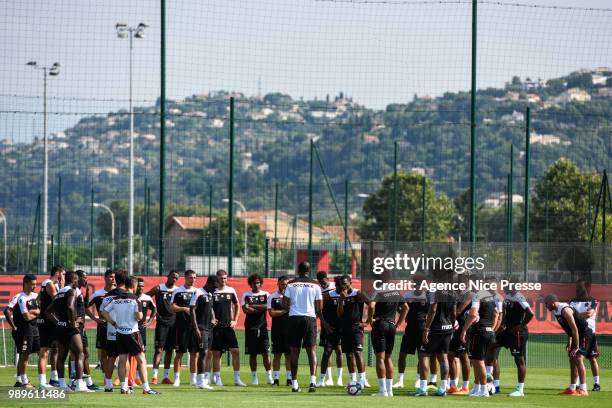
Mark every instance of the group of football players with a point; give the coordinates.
(452, 333)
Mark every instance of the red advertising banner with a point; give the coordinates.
(543, 322)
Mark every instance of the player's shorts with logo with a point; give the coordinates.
(352, 339)
(515, 342)
(587, 344)
(111, 348)
(101, 336)
(64, 332)
(130, 344)
(383, 336)
(411, 340)
(481, 339)
(205, 341)
(456, 345)
(46, 332)
(27, 343)
(164, 336)
(437, 343)
(224, 338)
(185, 340)
(302, 331)
(256, 341)
(330, 339)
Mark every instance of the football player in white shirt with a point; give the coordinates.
(303, 299)
(587, 306)
(123, 312)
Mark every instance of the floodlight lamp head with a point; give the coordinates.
(32, 64)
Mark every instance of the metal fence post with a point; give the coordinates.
(266, 257)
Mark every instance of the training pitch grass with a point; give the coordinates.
(541, 391)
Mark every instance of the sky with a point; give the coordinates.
(377, 53)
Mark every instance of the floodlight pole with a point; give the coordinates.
(52, 71)
(122, 29)
(4, 221)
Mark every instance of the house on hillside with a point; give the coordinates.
(180, 230)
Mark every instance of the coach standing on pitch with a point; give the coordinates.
(303, 299)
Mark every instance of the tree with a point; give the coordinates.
(560, 206)
(378, 210)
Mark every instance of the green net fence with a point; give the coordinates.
(375, 85)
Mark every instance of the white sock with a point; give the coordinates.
(108, 383)
(62, 382)
(339, 372)
(22, 379)
(166, 373)
(389, 385)
(382, 385)
(155, 371)
(269, 374)
(313, 379)
(193, 378)
(177, 376)
(596, 379)
(289, 375)
(124, 385)
(353, 377)
(276, 375)
(433, 377)
(496, 383)
(572, 386)
(362, 376)
(145, 386)
(466, 384)
(520, 386)
(199, 379)
(236, 376)
(206, 376)
(88, 380)
(217, 376)
(322, 377)
(54, 376)
(453, 383)
(79, 384)
(400, 377)
(329, 373)
(443, 384)
(254, 376)
(42, 379)
(479, 388)
(294, 384)
(423, 384)
(489, 370)
(583, 387)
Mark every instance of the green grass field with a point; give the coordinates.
(541, 389)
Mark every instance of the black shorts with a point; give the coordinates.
(164, 336)
(63, 334)
(46, 332)
(481, 339)
(16, 339)
(588, 345)
(456, 345)
(205, 341)
(515, 342)
(383, 336)
(224, 338)
(101, 336)
(595, 348)
(302, 331)
(27, 343)
(352, 340)
(111, 348)
(143, 335)
(84, 338)
(330, 339)
(185, 340)
(256, 341)
(411, 340)
(280, 338)
(438, 343)
(130, 344)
